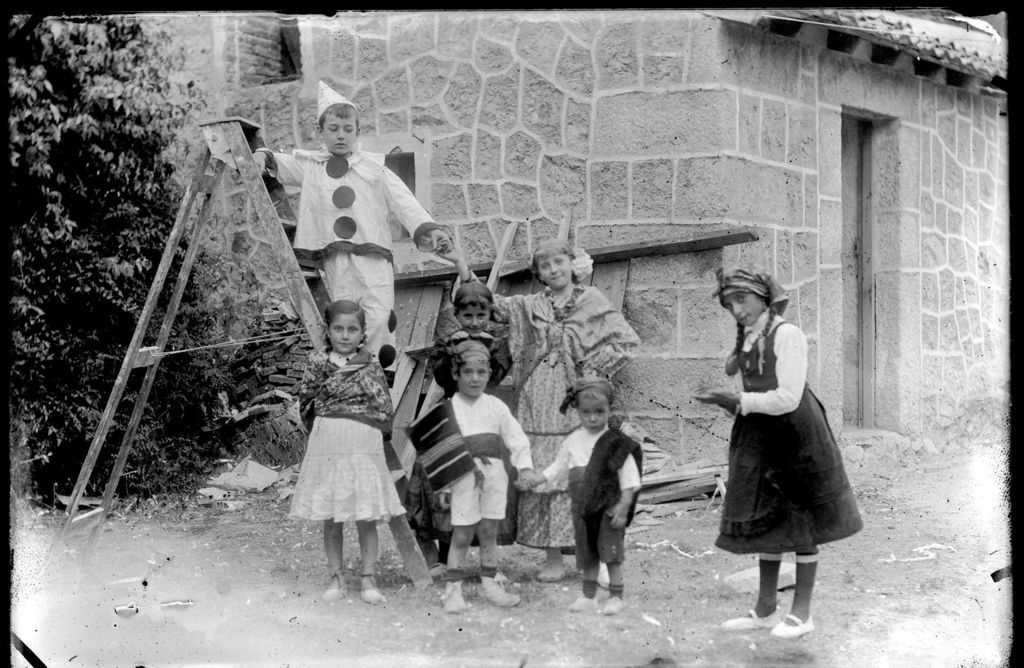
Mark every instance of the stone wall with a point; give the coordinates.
(637, 125)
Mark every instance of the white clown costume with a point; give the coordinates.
(343, 224)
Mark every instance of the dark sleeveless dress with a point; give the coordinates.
(787, 488)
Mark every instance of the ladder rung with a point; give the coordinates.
(288, 225)
(310, 274)
(145, 356)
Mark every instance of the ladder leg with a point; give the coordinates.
(107, 419)
(195, 237)
(412, 557)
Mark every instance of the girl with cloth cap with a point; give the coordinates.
(555, 335)
(342, 224)
(788, 490)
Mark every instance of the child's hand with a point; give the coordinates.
(530, 479)
(260, 158)
(618, 514)
(443, 499)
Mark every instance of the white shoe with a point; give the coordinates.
(452, 599)
(584, 604)
(751, 622)
(335, 589)
(790, 631)
(602, 576)
(612, 606)
(497, 595)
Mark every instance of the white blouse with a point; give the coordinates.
(576, 450)
(790, 369)
(488, 414)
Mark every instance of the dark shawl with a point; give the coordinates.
(599, 488)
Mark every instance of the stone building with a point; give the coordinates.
(867, 149)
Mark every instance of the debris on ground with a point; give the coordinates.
(246, 476)
(926, 552)
(687, 482)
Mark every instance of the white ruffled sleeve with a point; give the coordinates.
(790, 370)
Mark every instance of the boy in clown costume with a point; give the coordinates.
(346, 195)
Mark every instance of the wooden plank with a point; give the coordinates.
(680, 475)
(610, 279)
(405, 413)
(407, 302)
(403, 374)
(120, 382)
(405, 541)
(499, 258)
(165, 332)
(678, 491)
(231, 135)
(422, 335)
(690, 243)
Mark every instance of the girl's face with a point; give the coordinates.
(473, 318)
(472, 377)
(339, 135)
(345, 333)
(593, 411)
(555, 271)
(746, 307)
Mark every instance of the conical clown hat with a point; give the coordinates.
(326, 97)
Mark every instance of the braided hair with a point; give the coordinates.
(732, 363)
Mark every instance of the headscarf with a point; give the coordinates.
(471, 349)
(587, 383)
(741, 279)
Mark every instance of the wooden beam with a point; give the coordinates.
(784, 27)
(884, 55)
(670, 246)
(930, 70)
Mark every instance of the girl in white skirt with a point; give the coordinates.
(344, 478)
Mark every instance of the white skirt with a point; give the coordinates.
(344, 475)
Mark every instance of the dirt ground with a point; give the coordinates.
(883, 597)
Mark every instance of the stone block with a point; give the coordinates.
(784, 257)
(665, 123)
(954, 183)
(372, 58)
(394, 123)
(928, 104)
(609, 190)
(483, 200)
(909, 166)
(929, 334)
(563, 184)
(615, 54)
(431, 120)
(429, 76)
(650, 384)
(810, 201)
(708, 49)
(543, 106)
(463, 95)
(970, 190)
(970, 227)
(451, 157)
(771, 194)
(652, 188)
(805, 255)
(476, 242)
(986, 189)
(492, 57)
(773, 130)
(846, 81)
(978, 148)
(898, 240)
(941, 219)
(750, 125)
(456, 34)
(521, 155)
(575, 69)
(760, 61)
(519, 201)
(583, 26)
(499, 26)
(947, 286)
(664, 431)
(659, 70)
(802, 138)
(930, 291)
(242, 244)
(654, 314)
(958, 255)
(577, 126)
(831, 232)
(501, 101)
(363, 100)
(949, 337)
(705, 437)
(808, 88)
(448, 201)
(938, 179)
(665, 32)
(487, 159)
(830, 142)
(676, 269)
(705, 328)
(931, 372)
(927, 212)
(537, 43)
(411, 35)
(963, 141)
(542, 228)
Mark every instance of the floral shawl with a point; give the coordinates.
(358, 391)
(590, 334)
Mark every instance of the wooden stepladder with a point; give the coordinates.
(230, 142)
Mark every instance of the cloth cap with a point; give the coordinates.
(327, 97)
(587, 384)
(740, 279)
(470, 349)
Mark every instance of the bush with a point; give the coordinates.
(92, 119)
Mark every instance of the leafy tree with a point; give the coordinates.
(93, 115)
